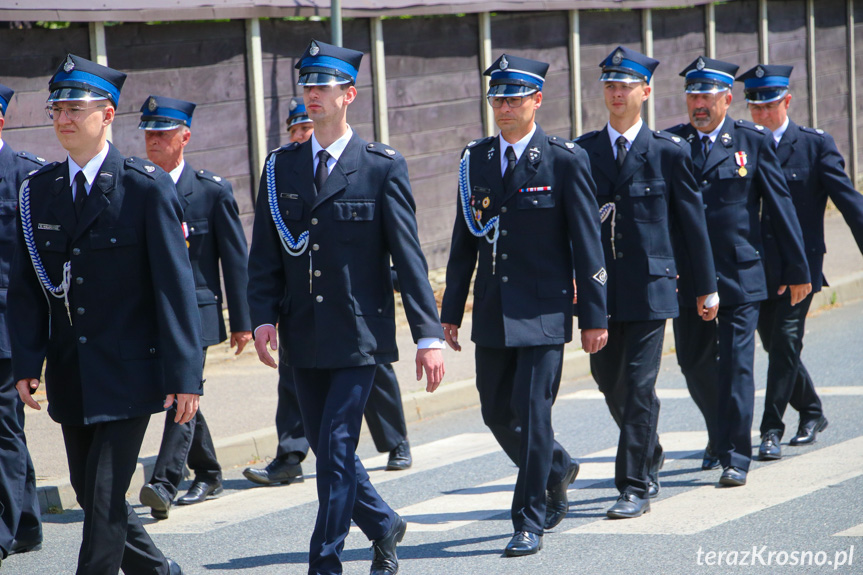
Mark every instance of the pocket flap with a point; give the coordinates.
(647, 188)
(795, 173)
(746, 253)
(551, 289)
(534, 200)
(112, 238)
(198, 227)
(354, 210)
(205, 296)
(51, 240)
(291, 209)
(661, 266)
(138, 349)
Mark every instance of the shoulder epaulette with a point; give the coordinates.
(751, 126)
(44, 169)
(817, 131)
(676, 128)
(587, 136)
(143, 166)
(662, 134)
(208, 176)
(382, 150)
(562, 142)
(474, 143)
(33, 158)
(286, 148)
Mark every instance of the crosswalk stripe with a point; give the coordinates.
(706, 507)
(683, 393)
(252, 503)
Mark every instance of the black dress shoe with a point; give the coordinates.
(400, 457)
(523, 543)
(25, 546)
(173, 568)
(710, 459)
(653, 485)
(385, 561)
(277, 471)
(807, 432)
(199, 492)
(733, 477)
(653, 489)
(628, 505)
(156, 497)
(556, 500)
(770, 448)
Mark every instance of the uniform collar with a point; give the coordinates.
(519, 147)
(1, 144)
(91, 169)
(712, 135)
(335, 149)
(780, 131)
(630, 134)
(177, 172)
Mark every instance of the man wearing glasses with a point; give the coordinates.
(102, 289)
(739, 177)
(814, 170)
(526, 210)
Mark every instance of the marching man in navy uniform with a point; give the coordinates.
(645, 188)
(214, 234)
(331, 213)
(526, 211)
(815, 171)
(102, 289)
(739, 176)
(20, 526)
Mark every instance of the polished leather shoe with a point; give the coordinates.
(733, 477)
(807, 432)
(400, 457)
(628, 505)
(385, 561)
(25, 546)
(770, 447)
(173, 568)
(710, 459)
(653, 489)
(199, 492)
(523, 543)
(556, 499)
(653, 485)
(156, 497)
(276, 472)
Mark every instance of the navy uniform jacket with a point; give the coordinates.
(14, 167)
(814, 171)
(136, 333)
(653, 193)
(215, 233)
(733, 206)
(543, 235)
(342, 314)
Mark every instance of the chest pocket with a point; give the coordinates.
(198, 227)
(734, 188)
(648, 200)
(51, 240)
(535, 200)
(292, 209)
(354, 210)
(112, 238)
(796, 174)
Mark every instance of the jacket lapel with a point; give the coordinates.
(603, 156)
(302, 175)
(61, 205)
(635, 158)
(528, 163)
(339, 178)
(186, 186)
(787, 143)
(719, 152)
(102, 186)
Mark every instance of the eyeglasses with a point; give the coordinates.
(511, 101)
(73, 113)
(768, 107)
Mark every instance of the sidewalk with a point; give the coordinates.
(240, 392)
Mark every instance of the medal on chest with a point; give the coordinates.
(740, 158)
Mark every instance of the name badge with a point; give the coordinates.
(51, 227)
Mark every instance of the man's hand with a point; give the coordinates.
(432, 361)
(266, 335)
(706, 313)
(450, 332)
(593, 340)
(187, 406)
(798, 292)
(25, 388)
(239, 339)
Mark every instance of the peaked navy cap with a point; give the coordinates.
(706, 76)
(163, 113)
(324, 65)
(626, 65)
(766, 83)
(297, 114)
(515, 76)
(80, 79)
(5, 97)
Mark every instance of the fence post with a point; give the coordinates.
(99, 53)
(810, 62)
(763, 33)
(852, 94)
(575, 73)
(647, 37)
(484, 63)
(255, 83)
(710, 29)
(379, 78)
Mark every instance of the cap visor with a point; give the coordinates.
(510, 90)
(765, 96)
(618, 76)
(75, 94)
(705, 88)
(323, 79)
(161, 125)
(299, 120)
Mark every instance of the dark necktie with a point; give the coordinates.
(80, 193)
(511, 161)
(621, 151)
(321, 172)
(701, 156)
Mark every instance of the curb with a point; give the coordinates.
(257, 445)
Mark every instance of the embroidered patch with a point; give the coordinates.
(601, 276)
(51, 227)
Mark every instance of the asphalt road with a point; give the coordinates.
(802, 514)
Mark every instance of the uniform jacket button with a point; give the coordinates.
(114, 240)
(82, 339)
(317, 273)
(619, 254)
(503, 210)
(319, 299)
(504, 256)
(76, 251)
(316, 247)
(503, 232)
(47, 244)
(504, 279)
(79, 280)
(80, 311)
(616, 198)
(152, 351)
(314, 221)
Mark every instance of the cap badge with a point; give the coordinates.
(69, 65)
(759, 72)
(617, 58)
(314, 49)
(293, 105)
(152, 104)
(504, 63)
(699, 65)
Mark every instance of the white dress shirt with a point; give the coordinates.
(518, 148)
(177, 172)
(91, 170)
(629, 135)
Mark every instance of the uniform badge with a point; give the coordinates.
(51, 227)
(725, 139)
(486, 201)
(533, 154)
(675, 139)
(504, 63)
(759, 72)
(149, 169)
(217, 178)
(477, 215)
(601, 276)
(152, 104)
(41, 159)
(569, 145)
(390, 151)
(490, 153)
(759, 127)
(617, 58)
(690, 138)
(314, 49)
(69, 65)
(740, 158)
(471, 143)
(699, 65)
